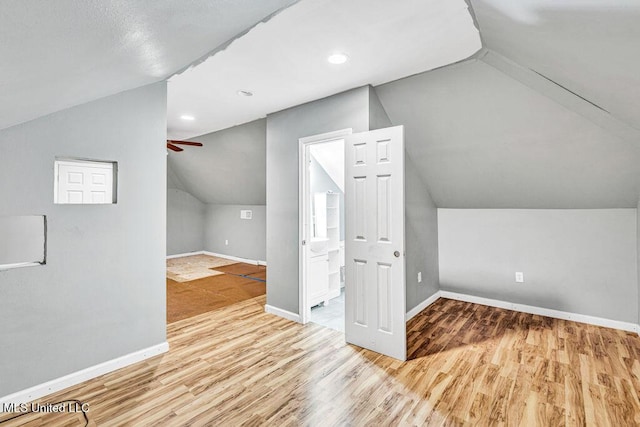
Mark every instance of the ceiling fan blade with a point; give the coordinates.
(194, 144)
(170, 146)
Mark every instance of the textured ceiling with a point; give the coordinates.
(590, 47)
(541, 125)
(283, 61)
(57, 54)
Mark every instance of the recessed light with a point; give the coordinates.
(338, 58)
(187, 117)
(245, 93)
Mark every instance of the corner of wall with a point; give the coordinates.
(378, 117)
(185, 222)
(638, 255)
(421, 221)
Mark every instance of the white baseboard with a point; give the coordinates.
(557, 314)
(36, 392)
(235, 258)
(424, 304)
(282, 313)
(185, 254)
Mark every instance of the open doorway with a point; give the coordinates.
(323, 229)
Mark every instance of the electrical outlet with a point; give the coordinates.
(519, 277)
(419, 276)
(226, 242)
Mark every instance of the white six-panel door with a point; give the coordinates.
(375, 266)
(84, 182)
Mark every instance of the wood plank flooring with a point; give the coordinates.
(243, 269)
(191, 298)
(470, 365)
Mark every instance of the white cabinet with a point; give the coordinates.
(333, 235)
(326, 226)
(317, 272)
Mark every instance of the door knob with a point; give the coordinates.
(396, 254)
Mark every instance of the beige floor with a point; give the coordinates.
(469, 365)
(194, 267)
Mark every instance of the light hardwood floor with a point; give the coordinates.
(470, 365)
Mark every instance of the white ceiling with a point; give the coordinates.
(591, 47)
(283, 61)
(57, 54)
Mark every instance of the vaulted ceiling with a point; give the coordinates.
(592, 48)
(283, 62)
(230, 167)
(57, 54)
(483, 139)
(545, 115)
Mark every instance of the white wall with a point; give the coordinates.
(579, 261)
(246, 237)
(101, 294)
(185, 222)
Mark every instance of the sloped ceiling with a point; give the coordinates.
(482, 139)
(57, 54)
(590, 47)
(485, 133)
(329, 156)
(283, 62)
(230, 167)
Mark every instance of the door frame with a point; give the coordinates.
(304, 213)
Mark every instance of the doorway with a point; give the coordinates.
(372, 164)
(323, 229)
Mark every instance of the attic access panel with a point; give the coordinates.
(83, 182)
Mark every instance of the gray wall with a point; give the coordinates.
(185, 222)
(22, 239)
(486, 140)
(344, 110)
(321, 182)
(421, 218)
(421, 236)
(172, 179)
(101, 294)
(247, 237)
(580, 261)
